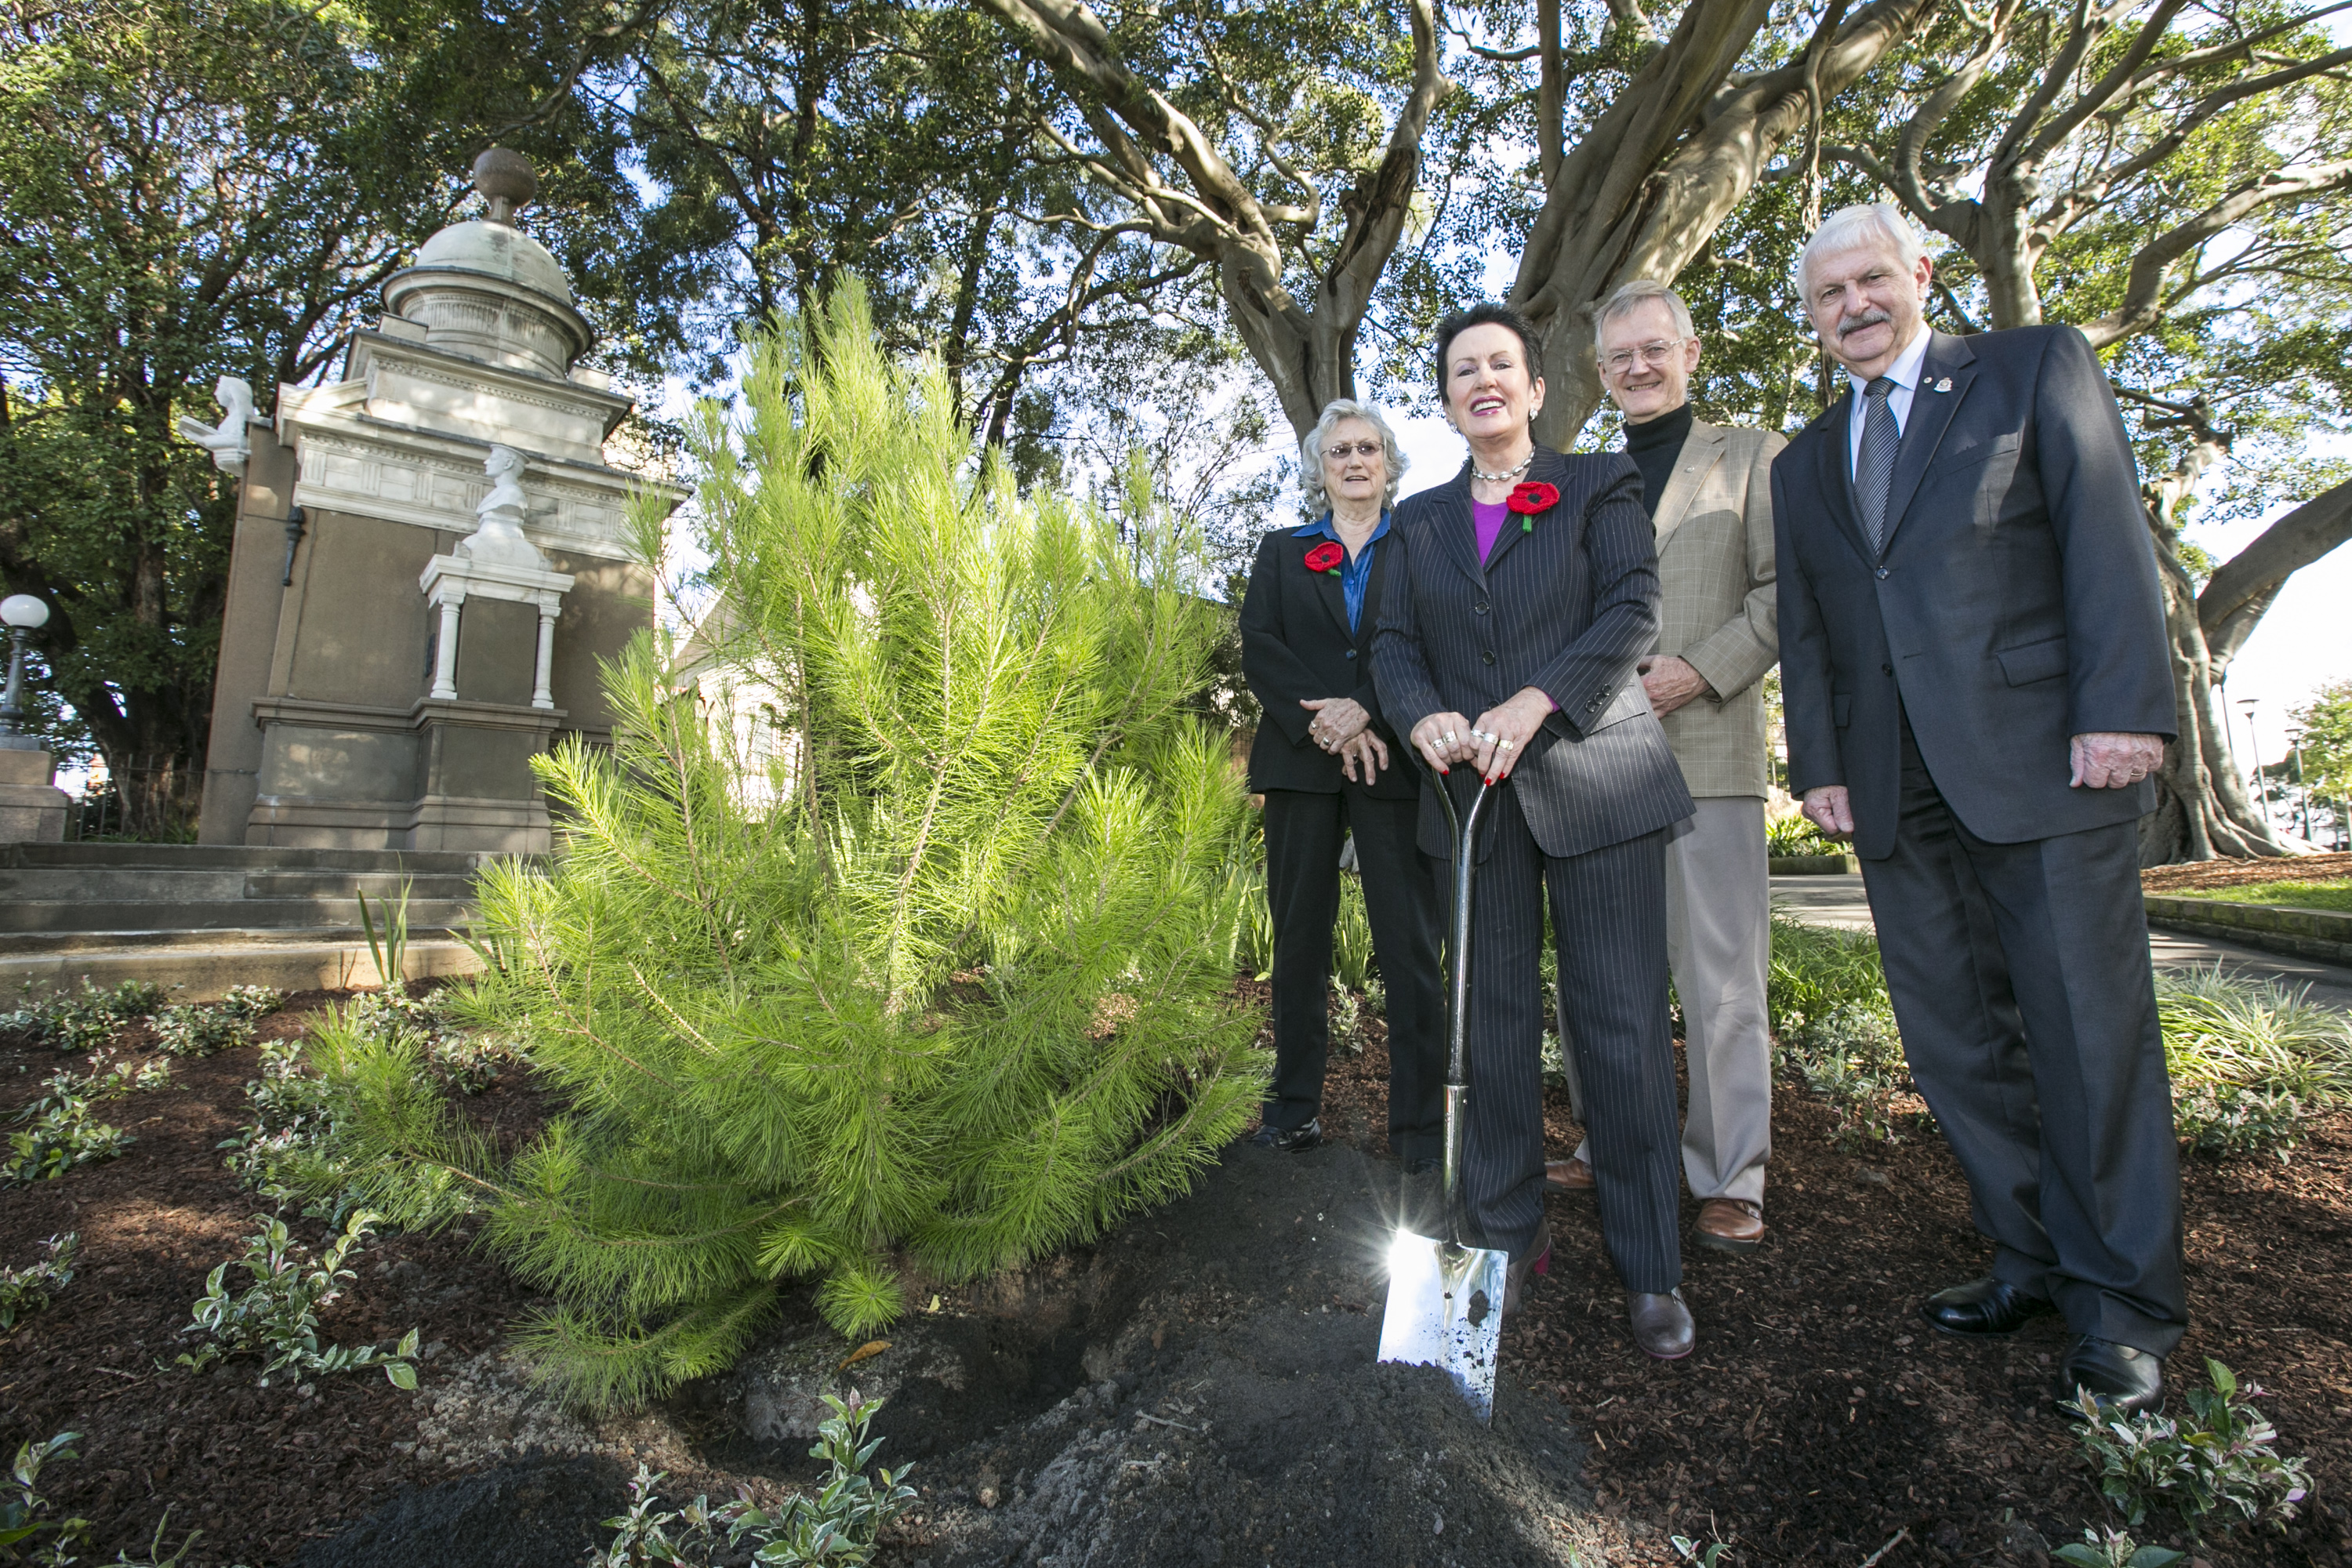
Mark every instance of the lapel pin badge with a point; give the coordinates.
(1944, 383)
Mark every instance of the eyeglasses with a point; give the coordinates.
(1652, 354)
(1342, 452)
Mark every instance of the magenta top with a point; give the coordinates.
(1487, 518)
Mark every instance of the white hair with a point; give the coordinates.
(1629, 298)
(1852, 228)
(1310, 453)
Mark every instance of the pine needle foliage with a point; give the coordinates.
(944, 982)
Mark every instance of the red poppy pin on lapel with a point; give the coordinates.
(1529, 498)
(1325, 556)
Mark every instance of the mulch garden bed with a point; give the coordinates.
(1820, 1418)
(1197, 1387)
(257, 1469)
(2201, 874)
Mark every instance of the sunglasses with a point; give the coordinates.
(1345, 451)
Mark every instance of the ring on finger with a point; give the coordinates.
(1505, 745)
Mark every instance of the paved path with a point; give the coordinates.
(1840, 901)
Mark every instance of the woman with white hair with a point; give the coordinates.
(1332, 768)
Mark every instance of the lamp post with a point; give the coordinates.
(2254, 764)
(23, 612)
(2294, 746)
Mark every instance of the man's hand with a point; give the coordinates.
(1503, 732)
(1445, 739)
(2105, 760)
(1670, 682)
(1366, 748)
(1338, 720)
(1830, 809)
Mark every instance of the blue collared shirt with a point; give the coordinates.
(1356, 571)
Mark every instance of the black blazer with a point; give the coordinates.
(2015, 604)
(1568, 606)
(1295, 646)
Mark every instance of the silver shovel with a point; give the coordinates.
(1445, 1300)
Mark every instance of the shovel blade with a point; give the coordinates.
(1445, 1310)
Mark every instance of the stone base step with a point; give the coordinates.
(101, 915)
(237, 856)
(199, 966)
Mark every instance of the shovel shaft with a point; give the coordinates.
(1464, 831)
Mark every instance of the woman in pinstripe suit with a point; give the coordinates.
(1525, 593)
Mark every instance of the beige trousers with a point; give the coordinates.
(1719, 945)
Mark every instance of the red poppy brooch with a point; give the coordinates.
(1530, 497)
(1325, 556)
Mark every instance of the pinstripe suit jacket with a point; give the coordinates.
(1568, 606)
(1718, 607)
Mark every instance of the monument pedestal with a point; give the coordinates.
(32, 809)
(477, 788)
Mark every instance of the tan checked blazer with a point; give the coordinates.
(1716, 602)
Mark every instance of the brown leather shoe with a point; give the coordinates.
(1570, 1176)
(1662, 1324)
(1535, 1260)
(1729, 1224)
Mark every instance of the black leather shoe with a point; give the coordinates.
(1290, 1140)
(1982, 1307)
(1421, 1166)
(2124, 1380)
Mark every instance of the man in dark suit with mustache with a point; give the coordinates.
(1978, 686)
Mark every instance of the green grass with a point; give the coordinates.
(2252, 1061)
(2334, 894)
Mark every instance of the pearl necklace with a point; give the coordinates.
(1507, 473)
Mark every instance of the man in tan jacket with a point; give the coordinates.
(1708, 491)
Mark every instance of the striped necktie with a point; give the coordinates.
(1873, 470)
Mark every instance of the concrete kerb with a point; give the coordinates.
(203, 973)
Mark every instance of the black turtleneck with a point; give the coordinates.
(1654, 445)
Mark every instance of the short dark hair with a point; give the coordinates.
(1484, 313)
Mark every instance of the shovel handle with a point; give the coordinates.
(1464, 832)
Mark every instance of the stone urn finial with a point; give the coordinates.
(507, 182)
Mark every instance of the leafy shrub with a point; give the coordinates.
(945, 979)
(24, 1515)
(2220, 1461)
(2113, 1549)
(1791, 834)
(276, 1318)
(24, 1291)
(299, 1149)
(62, 1131)
(841, 1524)
(252, 1002)
(1852, 1057)
(190, 1030)
(84, 1020)
(2251, 1060)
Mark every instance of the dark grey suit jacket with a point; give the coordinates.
(1566, 606)
(2015, 604)
(1296, 646)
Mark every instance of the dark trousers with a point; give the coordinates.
(1303, 833)
(2020, 979)
(1609, 917)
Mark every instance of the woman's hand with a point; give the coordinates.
(1502, 733)
(1366, 748)
(1444, 739)
(1338, 720)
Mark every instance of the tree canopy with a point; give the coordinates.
(1163, 230)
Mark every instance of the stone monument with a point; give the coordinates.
(32, 808)
(431, 556)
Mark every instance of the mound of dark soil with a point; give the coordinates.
(535, 1514)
